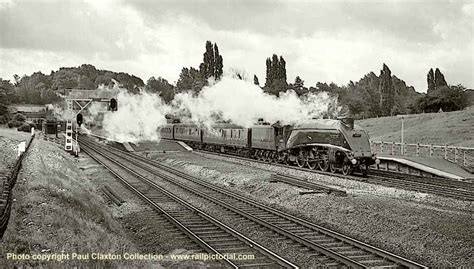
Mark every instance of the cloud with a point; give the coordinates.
(320, 41)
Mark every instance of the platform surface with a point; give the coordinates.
(162, 145)
(436, 163)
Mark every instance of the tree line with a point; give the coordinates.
(371, 96)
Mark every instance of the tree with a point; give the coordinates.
(212, 65)
(161, 87)
(190, 79)
(219, 64)
(239, 73)
(7, 92)
(430, 79)
(17, 79)
(439, 80)
(276, 75)
(435, 80)
(255, 80)
(386, 91)
(447, 98)
(298, 86)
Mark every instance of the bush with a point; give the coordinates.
(446, 98)
(14, 124)
(26, 127)
(4, 119)
(19, 117)
(3, 109)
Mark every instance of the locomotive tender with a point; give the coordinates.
(334, 145)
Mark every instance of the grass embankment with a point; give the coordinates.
(452, 128)
(58, 210)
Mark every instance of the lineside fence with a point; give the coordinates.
(6, 186)
(461, 156)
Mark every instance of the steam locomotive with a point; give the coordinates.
(325, 144)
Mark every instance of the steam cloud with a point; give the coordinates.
(243, 103)
(140, 116)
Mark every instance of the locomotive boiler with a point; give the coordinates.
(325, 144)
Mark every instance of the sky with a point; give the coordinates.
(321, 41)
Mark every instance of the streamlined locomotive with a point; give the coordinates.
(325, 144)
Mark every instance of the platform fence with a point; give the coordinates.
(462, 156)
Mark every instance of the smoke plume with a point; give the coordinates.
(140, 116)
(243, 103)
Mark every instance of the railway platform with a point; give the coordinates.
(437, 167)
(161, 146)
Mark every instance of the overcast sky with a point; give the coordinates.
(320, 40)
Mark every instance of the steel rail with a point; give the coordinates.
(266, 252)
(409, 183)
(345, 260)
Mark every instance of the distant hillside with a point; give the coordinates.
(452, 128)
(39, 88)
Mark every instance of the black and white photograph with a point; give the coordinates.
(236, 134)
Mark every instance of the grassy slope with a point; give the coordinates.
(452, 128)
(58, 209)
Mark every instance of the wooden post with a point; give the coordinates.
(381, 147)
(431, 150)
(456, 155)
(393, 148)
(417, 149)
(464, 158)
(445, 151)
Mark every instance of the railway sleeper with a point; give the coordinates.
(288, 225)
(375, 262)
(205, 229)
(197, 223)
(353, 252)
(257, 265)
(220, 236)
(345, 248)
(323, 239)
(227, 243)
(311, 235)
(362, 258)
(214, 231)
(323, 242)
(189, 217)
(232, 249)
(297, 230)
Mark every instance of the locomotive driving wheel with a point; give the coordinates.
(283, 158)
(300, 159)
(346, 168)
(312, 163)
(274, 157)
(332, 168)
(324, 163)
(268, 157)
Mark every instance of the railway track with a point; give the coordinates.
(444, 187)
(298, 182)
(208, 233)
(330, 248)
